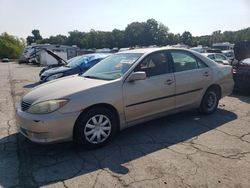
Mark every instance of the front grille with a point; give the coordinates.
(25, 105)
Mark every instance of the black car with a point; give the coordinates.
(73, 66)
(241, 75)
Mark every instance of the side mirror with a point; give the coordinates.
(140, 75)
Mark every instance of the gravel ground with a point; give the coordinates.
(183, 150)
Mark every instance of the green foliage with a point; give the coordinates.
(35, 38)
(227, 36)
(134, 34)
(10, 46)
(146, 33)
(58, 39)
(187, 38)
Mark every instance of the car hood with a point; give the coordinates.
(61, 88)
(58, 58)
(56, 70)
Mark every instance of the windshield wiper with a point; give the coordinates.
(94, 77)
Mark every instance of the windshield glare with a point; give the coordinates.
(112, 67)
(76, 61)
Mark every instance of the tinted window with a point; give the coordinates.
(93, 62)
(154, 64)
(183, 61)
(201, 64)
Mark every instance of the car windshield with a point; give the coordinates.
(112, 67)
(76, 61)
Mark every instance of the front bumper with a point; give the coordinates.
(46, 128)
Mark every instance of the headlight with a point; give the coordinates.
(46, 106)
(54, 76)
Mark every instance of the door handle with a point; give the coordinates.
(206, 74)
(168, 82)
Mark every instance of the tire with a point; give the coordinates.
(98, 121)
(210, 101)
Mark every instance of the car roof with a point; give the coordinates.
(96, 55)
(150, 50)
(206, 54)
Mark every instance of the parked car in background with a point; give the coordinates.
(60, 61)
(5, 60)
(227, 49)
(241, 75)
(122, 90)
(217, 57)
(75, 65)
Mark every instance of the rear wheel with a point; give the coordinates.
(95, 128)
(210, 100)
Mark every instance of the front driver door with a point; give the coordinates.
(153, 95)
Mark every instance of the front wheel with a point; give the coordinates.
(209, 103)
(95, 128)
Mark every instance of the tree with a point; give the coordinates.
(150, 34)
(146, 33)
(35, 38)
(173, 38)
(77, 38)
(118, 38)
(58, 39)
(36, 34)
(187, 38)
(161, 37)
(134, 34)
(11, 46)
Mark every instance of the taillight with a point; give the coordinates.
(233, 70)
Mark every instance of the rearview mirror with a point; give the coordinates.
(140, 75)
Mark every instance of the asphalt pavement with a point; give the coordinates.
(182, 150)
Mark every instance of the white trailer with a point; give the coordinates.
(45, 59)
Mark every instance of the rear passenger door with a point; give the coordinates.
(192, 76)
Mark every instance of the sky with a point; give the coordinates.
(52, 17)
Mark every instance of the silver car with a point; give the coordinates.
(122, 90)
(218, 58)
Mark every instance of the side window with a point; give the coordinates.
(183, 61)
(201, 64)
(154, 64)
(211, 57)
(220, 57)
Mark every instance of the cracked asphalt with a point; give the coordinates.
(183, 150)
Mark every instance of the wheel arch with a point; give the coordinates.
(217, 87)
(100, 105)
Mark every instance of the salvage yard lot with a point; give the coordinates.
(183, 150)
